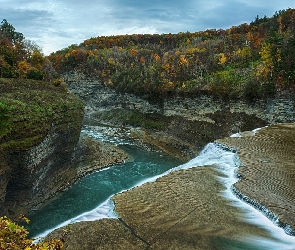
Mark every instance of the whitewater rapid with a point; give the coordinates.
(227, 161)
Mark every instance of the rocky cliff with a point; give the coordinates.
(179, 124)
(39, 130)
(175, 211)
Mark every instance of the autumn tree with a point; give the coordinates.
(232, 59)
(15, 237)
(20, 57)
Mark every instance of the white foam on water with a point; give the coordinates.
(104, 210)
(227, 161)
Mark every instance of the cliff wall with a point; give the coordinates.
(185, 123)
(39, 131)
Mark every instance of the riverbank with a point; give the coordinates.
(90, 155)
(189, 124)
(148, 139)
(176, 212)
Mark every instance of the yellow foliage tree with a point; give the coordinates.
(265, 68)
(222, 59)
(134, 52)
(37, 59)
(23, 68)
(14, 237)
(157, 57)
(182, 60)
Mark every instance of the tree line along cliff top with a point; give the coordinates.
(250, 60)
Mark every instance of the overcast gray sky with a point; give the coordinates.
(54, 24)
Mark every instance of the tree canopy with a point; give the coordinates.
(252, 60)
(21, 58)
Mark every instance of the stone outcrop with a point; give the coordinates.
(40, 130)
(96, 155)
(98, 97)
(190, 122)
(42, 150)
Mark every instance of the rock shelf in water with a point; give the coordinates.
(268, 174)
(185, 209)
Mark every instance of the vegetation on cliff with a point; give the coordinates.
(29, 108)
(251, 60)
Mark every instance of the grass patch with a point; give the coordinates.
(4, 119)
(29, 109)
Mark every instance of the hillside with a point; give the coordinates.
(250, 60)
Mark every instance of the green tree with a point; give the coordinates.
(8, 31)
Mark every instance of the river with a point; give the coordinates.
(91, 194)
(89, 198)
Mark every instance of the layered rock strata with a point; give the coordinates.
(39, 133)
(188, 123)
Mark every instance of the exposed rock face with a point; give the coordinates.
(190, 123)
(97, 155)
(98, 97)
(44, 151)
(40, 133)
(34, 173)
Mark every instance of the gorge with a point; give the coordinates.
(202, 119)
(240, 113)
(167, 157)
(188, 209)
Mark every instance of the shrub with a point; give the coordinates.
(35, 74)
(14, 237)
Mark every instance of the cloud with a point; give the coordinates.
(24, 18)
(57, 24)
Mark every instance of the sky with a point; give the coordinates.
(56, 24)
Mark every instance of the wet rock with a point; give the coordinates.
(182, 210)
(268, 174)
(102, 234)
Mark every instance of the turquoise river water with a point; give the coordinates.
(89, 198)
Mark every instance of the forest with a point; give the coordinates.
(22, 58)
(250, 60)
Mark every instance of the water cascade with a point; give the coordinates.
(226, 161)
